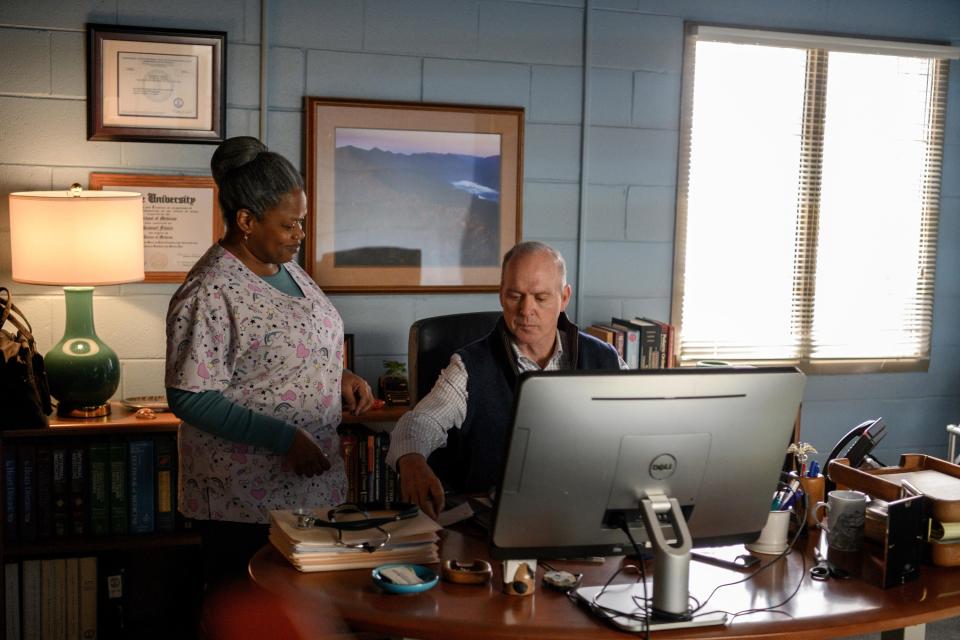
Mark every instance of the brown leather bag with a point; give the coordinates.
(24, 392)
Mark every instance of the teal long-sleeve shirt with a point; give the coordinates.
(214, 413)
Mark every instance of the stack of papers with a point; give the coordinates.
(317, 549)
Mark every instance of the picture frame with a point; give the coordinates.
(147, 84)
(410, 197)
(181, 219)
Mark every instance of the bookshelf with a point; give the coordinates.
(146, 584)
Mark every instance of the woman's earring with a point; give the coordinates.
(245, 236)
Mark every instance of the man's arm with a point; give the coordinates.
(423, 430)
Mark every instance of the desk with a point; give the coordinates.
(820, 609)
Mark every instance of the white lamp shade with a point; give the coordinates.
(93, 238)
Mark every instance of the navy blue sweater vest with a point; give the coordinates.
(471, 461)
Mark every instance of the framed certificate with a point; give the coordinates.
(181, 219)
(156, 85)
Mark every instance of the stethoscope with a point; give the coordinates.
(306, 519)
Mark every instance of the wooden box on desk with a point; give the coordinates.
(938, 481)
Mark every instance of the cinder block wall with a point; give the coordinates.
(525, 53)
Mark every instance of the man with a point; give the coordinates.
(468, 409)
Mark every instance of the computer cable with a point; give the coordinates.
(764, 566)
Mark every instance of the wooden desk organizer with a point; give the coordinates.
(936, 480)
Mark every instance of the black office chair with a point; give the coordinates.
(433, 341)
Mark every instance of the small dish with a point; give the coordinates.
(156, 403)
(429, 577)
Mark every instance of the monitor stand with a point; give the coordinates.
(671, 567)
(671, 578)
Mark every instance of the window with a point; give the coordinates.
(807, 200)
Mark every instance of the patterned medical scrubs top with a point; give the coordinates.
(279, 355)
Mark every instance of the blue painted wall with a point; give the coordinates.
(501, 52)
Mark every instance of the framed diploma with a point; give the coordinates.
(181, 219)
(155, 85)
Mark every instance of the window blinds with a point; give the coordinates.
(807, 199)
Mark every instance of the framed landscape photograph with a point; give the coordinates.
(411, 197)
(155, 85)
(181, 219)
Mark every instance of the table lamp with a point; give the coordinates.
(79, 239)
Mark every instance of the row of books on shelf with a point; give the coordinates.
(370, 479)
(114, 486)
(641, 342)
(51, 598)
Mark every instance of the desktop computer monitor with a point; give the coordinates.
(587, 448)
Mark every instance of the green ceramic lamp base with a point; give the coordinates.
(82, 370)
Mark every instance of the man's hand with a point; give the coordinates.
(305, 455)
(419, 485)
(356, 393)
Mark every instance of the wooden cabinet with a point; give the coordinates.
(101, 488)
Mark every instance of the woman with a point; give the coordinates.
(254, 365)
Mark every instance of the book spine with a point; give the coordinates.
(362, 492)
(631, 342)
(373, 468)
(73, 599)
(44, 492)
(99, 457)
(140, 496)
(383, 446)
(166, 483)
(87, 618)
(53, 595)
(11, 600)
(27, 459)
(348, 449)
(78, 491)
(30, 600)
(60, 487)
(11, 520)
(111, 614)
(118, 487)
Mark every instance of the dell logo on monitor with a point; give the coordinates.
(663, 466)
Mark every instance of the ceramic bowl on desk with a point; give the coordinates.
(427, 575)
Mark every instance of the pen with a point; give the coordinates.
(814, 469)
(777, 499)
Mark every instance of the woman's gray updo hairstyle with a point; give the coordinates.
(251, 177)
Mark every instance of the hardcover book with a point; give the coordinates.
(10, 485)
(140, 494)
(30, 599)
(99, 471)
(73, 599)
(348, 449)
(27, 459)
(53, 597)
(166, 483)
(118, 487)
(77, 504)
(87, 618)
(631, 347)
(44, 492)
(11, 599)
(59, 490)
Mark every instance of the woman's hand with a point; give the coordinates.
(357, 394)
(305, 455)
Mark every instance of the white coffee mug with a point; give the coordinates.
(844, 511)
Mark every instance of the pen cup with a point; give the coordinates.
(813, 489)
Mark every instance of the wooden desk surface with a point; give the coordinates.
(819, 609)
